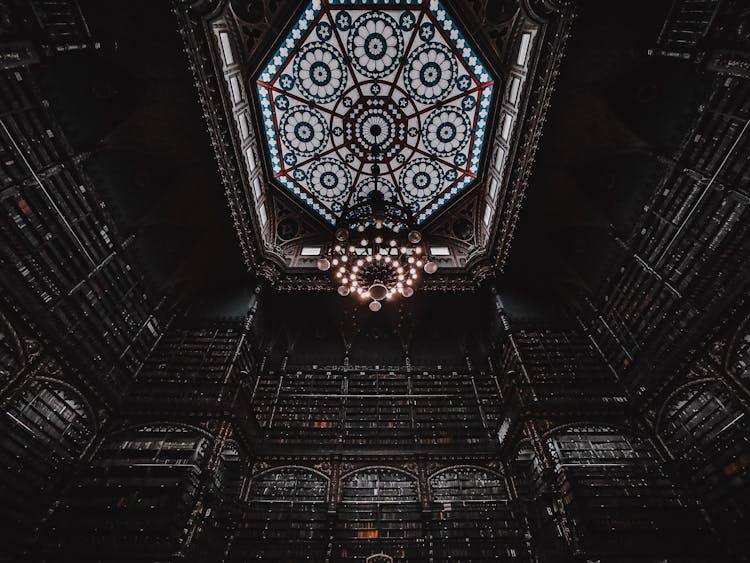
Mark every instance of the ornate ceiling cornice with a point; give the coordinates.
(226, 50)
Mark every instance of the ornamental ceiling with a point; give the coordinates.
(313, 104)
(385, 96)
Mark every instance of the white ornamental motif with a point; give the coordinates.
(304, 130)
(421, 180)
(375, 44)
(446, 131)
(430, 73)
(329, 179)
(320, 72)
(385, 187)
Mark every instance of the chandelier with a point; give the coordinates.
(377, 253)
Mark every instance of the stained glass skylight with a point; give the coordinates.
(375, 94)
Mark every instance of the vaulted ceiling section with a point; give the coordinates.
(313, 105)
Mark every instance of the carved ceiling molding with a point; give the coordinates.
(478, 228)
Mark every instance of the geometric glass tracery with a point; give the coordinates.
(367, 95)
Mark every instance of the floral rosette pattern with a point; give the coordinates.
(383, 95)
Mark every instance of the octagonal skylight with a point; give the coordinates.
(375, 94)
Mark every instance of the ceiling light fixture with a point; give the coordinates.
(377, 254)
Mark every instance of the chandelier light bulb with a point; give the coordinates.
(360, 262)
(369, 258)
(419, 263)
(430, 267)
(418, 250)
(343, 290)
(392, 243)
(324, 264)
(344, 258)
(335, 261)
(379, 240)
(407, 292)
(411, 260)
(363, 242)
(375, 306)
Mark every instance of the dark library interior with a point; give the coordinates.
(375, 281)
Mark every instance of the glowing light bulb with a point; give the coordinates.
(335, 261)
(392, 243)
(344, 258)
(411, 260)
(419, 263)
(379, 239)
(363, 242)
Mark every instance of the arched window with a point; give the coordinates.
(379, 514)
(55, 414)
(598, 446)
(615, 493)
(705, 427)
(286, 518)
(157, 444)
(476, 522)
(46, 427)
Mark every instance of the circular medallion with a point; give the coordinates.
(381, 184)
(375, 129)
(446, 131)
(320, 72)
(304, 130)
(421, 180)
(430, 73)
(375, 44)
(329, 179)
